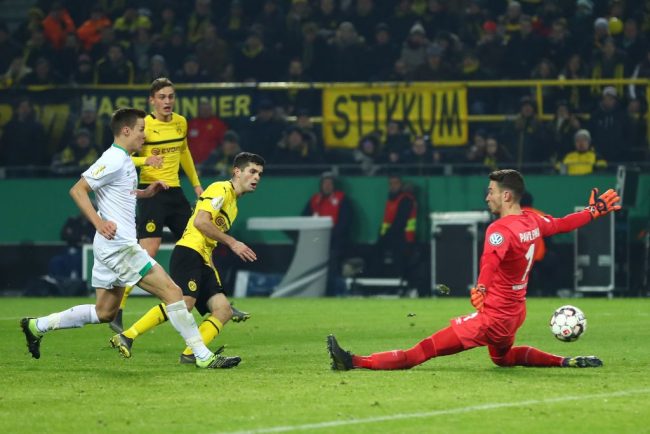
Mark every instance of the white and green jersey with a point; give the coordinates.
(114, 180)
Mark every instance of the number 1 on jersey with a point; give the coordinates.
(530, 254)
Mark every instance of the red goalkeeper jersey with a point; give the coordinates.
(508, 254)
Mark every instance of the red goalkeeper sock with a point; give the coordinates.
(441, 343)
(525, 356)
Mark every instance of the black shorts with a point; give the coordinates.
(167, 208)
(195, 278)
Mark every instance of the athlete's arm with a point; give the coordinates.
(187, 163)
(151, 190)
(79, 193)
(203, 222)
(155, 161)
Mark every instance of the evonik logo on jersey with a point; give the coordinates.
(496, 239)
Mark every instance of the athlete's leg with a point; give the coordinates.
(158, 283)
(441, 343)
(523, 356)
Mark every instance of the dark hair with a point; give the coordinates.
(243, 159)
(125, 117)
(158, 84)
(509, 179)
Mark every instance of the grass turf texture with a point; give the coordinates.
(284, 380)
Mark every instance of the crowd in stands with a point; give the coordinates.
(79, 42)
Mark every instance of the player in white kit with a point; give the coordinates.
(118, 258)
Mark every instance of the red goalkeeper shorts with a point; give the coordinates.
(480, 329)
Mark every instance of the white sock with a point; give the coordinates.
(75, 317)
(184, 323)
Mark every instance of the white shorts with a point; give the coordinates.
(119, 267)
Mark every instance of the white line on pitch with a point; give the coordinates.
(401, 416)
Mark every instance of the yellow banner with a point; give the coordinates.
(438, 111)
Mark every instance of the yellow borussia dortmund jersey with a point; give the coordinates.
(220, 200)
(169, 140)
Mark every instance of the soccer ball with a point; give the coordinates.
(568, 323)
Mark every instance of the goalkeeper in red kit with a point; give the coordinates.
(500, 293)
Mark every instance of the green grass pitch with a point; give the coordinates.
(284, 383)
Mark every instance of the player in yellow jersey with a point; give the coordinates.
(165, 150)
(191, 265)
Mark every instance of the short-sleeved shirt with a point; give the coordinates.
(220, 200)
(114, 179)
(168, 140)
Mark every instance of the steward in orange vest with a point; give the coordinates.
(400, 214)
(333, 203)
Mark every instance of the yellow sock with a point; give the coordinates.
(156, 315)
(209, 329)
(127, 291)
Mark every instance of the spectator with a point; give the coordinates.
(396, 144)
(131, 21)
(139, 51)
(77, 156)
(402, 20)
(609, 63)
(347, 54)
(558, 44)
(331, 201)
(42, 75)
(297, 16)
(496, 156)
(200, 17)
(272, 20)
(219, 162)
(254, 62)
(476, 149)
(57, 25)
(34, 21)
(36, 48)
(491, 50)
(157, 68)
(167, 22)
(364, 18)
(470, 27)
(294, 149)
(608, 124)
(15, 74)
(176, 50)
(205, 132)
(23, 141)
(88, 120)
(561, 130)
(213, 54)
(545, 70)
(584, 159)
(414, 49)
(478, 100)
(9, 49)
(66, 59)
(106, 40)
(637, 131)
(90, 31)
(525, 136)
(114, 68)
(396, 242)
(234, 24)
(191, 71)
(434, 69)
(84, 72)
(633, 44)
(367, 155)
(578, 97)
(420, 157)
(383, 53)
(264, 131)
(327, 16)
(294, 98)
(523, 50)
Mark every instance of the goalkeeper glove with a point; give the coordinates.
(603, 204)
(477, 297)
